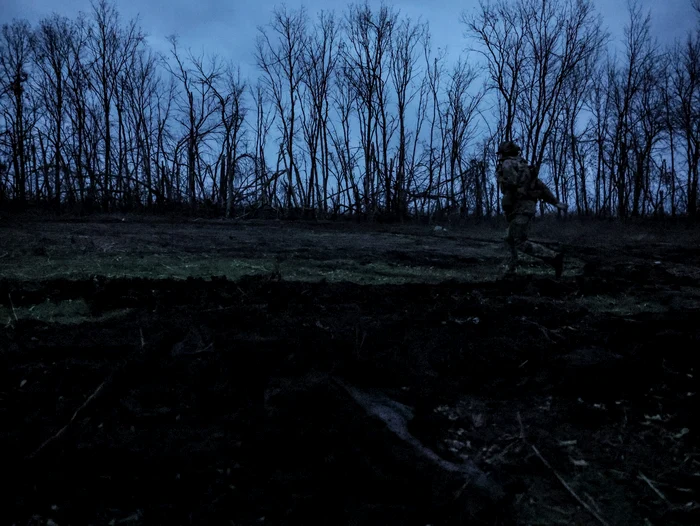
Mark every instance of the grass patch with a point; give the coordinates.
(151, 266)
(621, 305)
(68, 312)
(184, 266)
(374, 273)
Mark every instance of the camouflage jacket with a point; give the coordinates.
(518, 181)
(513, 175)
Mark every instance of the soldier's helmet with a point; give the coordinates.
(509, 149)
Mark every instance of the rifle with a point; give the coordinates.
(534, 172)
(538, 189)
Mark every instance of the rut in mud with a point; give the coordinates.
(219, 403)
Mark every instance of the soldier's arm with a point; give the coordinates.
(544, 193)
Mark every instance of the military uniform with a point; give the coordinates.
(521, 190)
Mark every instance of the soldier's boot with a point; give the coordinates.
(509, 268)
(511, 265)
(548, 256)
(558, 264)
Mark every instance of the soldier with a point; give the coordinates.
(521, 189)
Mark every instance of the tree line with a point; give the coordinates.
(351, 113)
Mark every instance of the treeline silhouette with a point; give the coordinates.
(352, 113)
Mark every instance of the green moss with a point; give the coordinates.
(63, 312)
(152, 266)
(370, 273)
(182, 267)
(620, 305)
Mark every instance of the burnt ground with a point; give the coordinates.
(156, 372)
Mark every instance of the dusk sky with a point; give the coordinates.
(229, 28)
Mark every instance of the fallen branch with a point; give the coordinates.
(569, 488)
(522, 428)
(643, 477)
(139, 359)
(12, 305)
(462, 485)
(547, 333)
(62, 431)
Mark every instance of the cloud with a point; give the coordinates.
(228, 28)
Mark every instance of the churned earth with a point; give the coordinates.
(157, 371)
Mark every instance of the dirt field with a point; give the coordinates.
(161, 372)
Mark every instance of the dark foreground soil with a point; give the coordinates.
(213, 401)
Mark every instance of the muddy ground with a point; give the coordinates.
(162, 372)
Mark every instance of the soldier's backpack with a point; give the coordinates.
(514, 175)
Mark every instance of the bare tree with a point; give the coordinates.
(647, 133)
(77, 92)
(686, 101)
(533, 50)
(233, 113)
(197, 104)
(668, 175)
(365, 65)
(577, 92)
(561, 38)
(320, 59)
(112, 47)
(625, 84)
(344, 156)
(280, 55)
(499, 30)
(414, 169)
(368, 118)
(15, 57)
(404, 59)
(433, 156)
(460, 112)
(52, 44)
(264, 186)
(141, 89)
(597, 104)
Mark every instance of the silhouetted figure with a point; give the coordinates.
(521, 189)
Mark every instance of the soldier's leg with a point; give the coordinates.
(517, 233)
(551, 257)
(518, 229)
(538, 251)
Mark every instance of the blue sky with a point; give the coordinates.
(228, 28)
